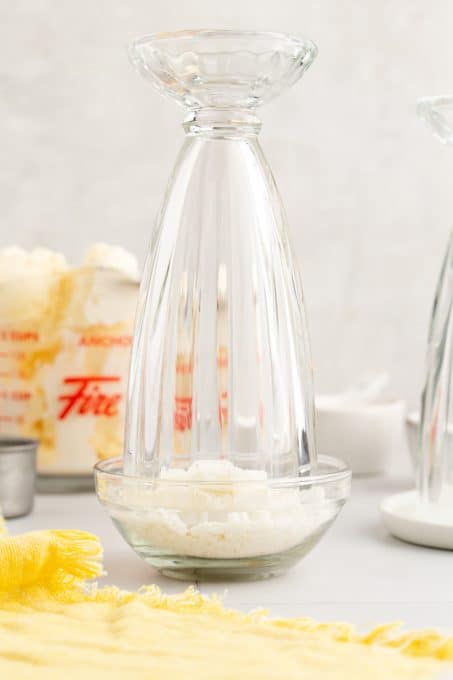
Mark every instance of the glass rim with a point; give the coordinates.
(339, 472)
(295, 41)
(435, 99)
(17, 444)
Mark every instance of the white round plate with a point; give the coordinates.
(405, 518)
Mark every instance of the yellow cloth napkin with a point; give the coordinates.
(54, 626)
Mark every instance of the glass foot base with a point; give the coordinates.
(242, 569)
(64, 483)
(212, 575)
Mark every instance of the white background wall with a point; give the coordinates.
(86, 147)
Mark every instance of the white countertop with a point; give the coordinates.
(357, 573)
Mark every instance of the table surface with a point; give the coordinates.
(357, 573)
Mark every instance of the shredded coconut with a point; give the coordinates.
(112, 257)
(218, 510)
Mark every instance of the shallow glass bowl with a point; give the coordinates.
(213, 529)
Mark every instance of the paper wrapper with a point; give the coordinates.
(65, 342)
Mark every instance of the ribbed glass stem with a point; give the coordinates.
(222, 123)
(435, 462)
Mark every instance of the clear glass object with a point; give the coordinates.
(208, 530)
(435, 459)
(221, 364)
(220, 388)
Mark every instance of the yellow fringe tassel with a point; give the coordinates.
(55, 560)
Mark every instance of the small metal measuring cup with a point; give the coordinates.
(17, 475)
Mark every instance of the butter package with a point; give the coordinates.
(65, 339)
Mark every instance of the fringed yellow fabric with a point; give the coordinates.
(55, 559)
(53, 626)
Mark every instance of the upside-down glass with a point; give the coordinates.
(435, 458)
(221, 367)
(221, 364)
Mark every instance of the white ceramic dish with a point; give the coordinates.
(367, 436)
(410, 521)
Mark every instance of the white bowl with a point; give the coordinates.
(366, 436)
(408, 519)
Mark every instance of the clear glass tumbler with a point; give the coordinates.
(221, 365)
(435, 459)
